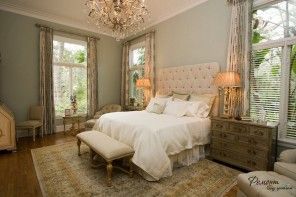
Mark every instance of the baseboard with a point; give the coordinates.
(59, 129)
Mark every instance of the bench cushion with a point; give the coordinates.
(255, 189)
(286, 169)
(109, 148)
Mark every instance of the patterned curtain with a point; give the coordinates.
(46, 79)
(239, 54)
(92, 77)
(125, 75)
(149, 63)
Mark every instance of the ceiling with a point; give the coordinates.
(73, 13)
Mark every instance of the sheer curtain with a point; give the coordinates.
(238, 59)
(46, 79)
(92, 77)
(125, 74)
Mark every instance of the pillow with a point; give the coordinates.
(175, 108)
(206, 98)
(183, 97)
(157, 105)
(197, 109)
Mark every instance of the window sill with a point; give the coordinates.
(286, 142)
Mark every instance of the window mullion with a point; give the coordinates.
(71, 81)
(284, 99)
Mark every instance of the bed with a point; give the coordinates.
(162, 141)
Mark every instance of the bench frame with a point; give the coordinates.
(109, 166)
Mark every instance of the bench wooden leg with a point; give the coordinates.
(78, 145)
(131, 167)
(109, 173)
(34, 133)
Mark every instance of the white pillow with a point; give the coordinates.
(175, 108)
(197, 109)
(157, 105)
(206, 98)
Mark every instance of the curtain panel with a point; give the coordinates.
(46, 79)
(149, 63)
(125, 74)
(238, 58)
(92, 77)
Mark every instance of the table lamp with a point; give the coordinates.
(144, 83)
(228, 81)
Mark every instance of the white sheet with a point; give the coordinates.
(155, 137)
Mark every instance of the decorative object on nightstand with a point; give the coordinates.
(144, 83)
(35, 121)
(74, 119)
(229, 82)
(248, 145)
(7, 129)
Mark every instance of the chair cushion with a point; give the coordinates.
(286, 169)
(29, 124)
(90, 123)
(262, 183)
(104, 145)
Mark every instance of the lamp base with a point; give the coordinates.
(225, 116)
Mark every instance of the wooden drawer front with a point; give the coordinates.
(239, 128)
(259, 131)
(5, 135)
(237, 147)
(259, 142)
(216, 143)
(216, 133)
(219, 125)
(259, 164)
(229, 137)
(263, 154)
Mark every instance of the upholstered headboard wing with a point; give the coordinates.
(191, 79)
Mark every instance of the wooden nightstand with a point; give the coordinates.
(247, 145)
(133, 108)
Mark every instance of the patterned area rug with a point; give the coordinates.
(62, 173)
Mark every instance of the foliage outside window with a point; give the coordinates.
(273, 66)
(136, 71)
(69, 74)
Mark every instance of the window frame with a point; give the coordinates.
(70, 66)
(285, 43)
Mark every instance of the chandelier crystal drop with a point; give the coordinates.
(120, 18)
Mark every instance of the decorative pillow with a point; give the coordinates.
(183, 97)
(197, 109)
(157, 105)
(175, 108)
(205, 98)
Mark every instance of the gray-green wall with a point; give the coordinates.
(19, 69)
(199, 35)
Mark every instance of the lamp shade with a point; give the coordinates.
(143, 83)
(228, 79)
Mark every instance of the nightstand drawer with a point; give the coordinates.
(216, 133)
(259, 164)
(219, 125)
(253, 152)
(239, 128)
(259, 131)
(259, 142)
(216, 143)
(229, 137)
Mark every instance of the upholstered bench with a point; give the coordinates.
(263, 183)
(108, 148)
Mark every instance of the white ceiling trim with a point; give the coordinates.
(168, 16)
(47, 17)
(80, 25)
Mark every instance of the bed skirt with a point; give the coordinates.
(184, 158)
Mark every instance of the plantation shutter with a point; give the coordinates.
(291, 124)
(265, 83)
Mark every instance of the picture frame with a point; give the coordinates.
(67, 112)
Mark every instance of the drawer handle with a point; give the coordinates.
(259, 133)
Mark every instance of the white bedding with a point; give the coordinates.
(154, 137)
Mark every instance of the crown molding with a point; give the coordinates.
(173, 14)
(10, 7)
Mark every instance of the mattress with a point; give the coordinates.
(155, 137)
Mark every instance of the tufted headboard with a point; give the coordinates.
(197, 79)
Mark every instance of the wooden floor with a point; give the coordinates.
(17, 173)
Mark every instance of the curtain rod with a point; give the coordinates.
(152, 31)
(67, 32)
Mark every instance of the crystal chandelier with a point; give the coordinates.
(120, 18)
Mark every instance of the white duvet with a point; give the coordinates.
(154, 137)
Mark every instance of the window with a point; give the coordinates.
(136, 71)
(69, 74)
(273, 65)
